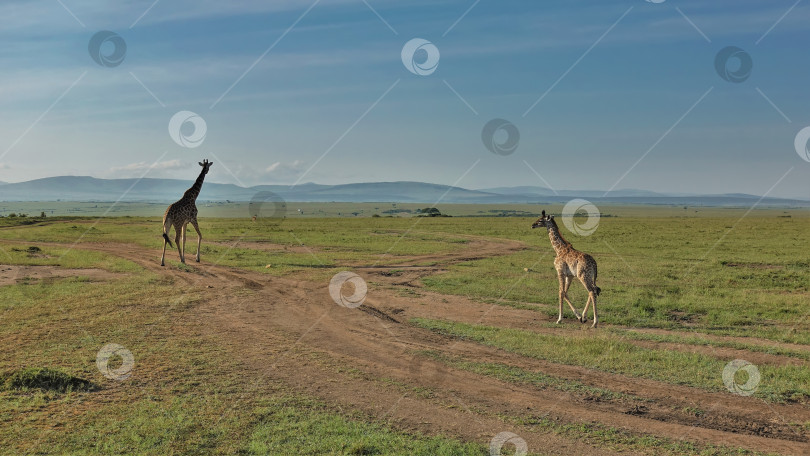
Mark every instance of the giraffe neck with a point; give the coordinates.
(557, 241)
(192, 193)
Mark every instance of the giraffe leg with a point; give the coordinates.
(592, 297)
(184, 243)
(585, 310)
(588, 302)
(166, 227)
(199, 237)
(568, 281)
(177, 238)
(561, 278)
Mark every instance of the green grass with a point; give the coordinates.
(623, 440)
(517, 375)
(599, 435)
(613, 354)
(703, 341)
(658, 268)
(294, 426)
(186, 393)
(658, 272)
(32, 254)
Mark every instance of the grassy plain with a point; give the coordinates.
(715, 278)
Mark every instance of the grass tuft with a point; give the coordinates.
(43, 378)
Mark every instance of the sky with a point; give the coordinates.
(591, 95)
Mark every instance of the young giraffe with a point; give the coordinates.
(181, 213)
(571, 263)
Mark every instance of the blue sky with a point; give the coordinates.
(630, 94)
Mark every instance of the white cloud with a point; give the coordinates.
(292, 168)
(140, 167)
(275, 173)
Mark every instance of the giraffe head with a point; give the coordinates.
(544, 221)
(205, 164)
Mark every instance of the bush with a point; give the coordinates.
(431, 212)
(43, 378)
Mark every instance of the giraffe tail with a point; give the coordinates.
(598, 290)
(166, 238)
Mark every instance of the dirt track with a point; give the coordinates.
(290, 329)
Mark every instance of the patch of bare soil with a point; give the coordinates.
(265, 246)
(13, 274)
(365, 359)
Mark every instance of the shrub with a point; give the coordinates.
(43, 378)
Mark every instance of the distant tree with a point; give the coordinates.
(43, 214)
(431, 212)
(375, 215)
(12, 215)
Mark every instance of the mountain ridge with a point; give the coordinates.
(87, 188)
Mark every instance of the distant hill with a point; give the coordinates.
(543, 191)
(85, 188)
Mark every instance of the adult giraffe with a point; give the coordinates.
(181, 213)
